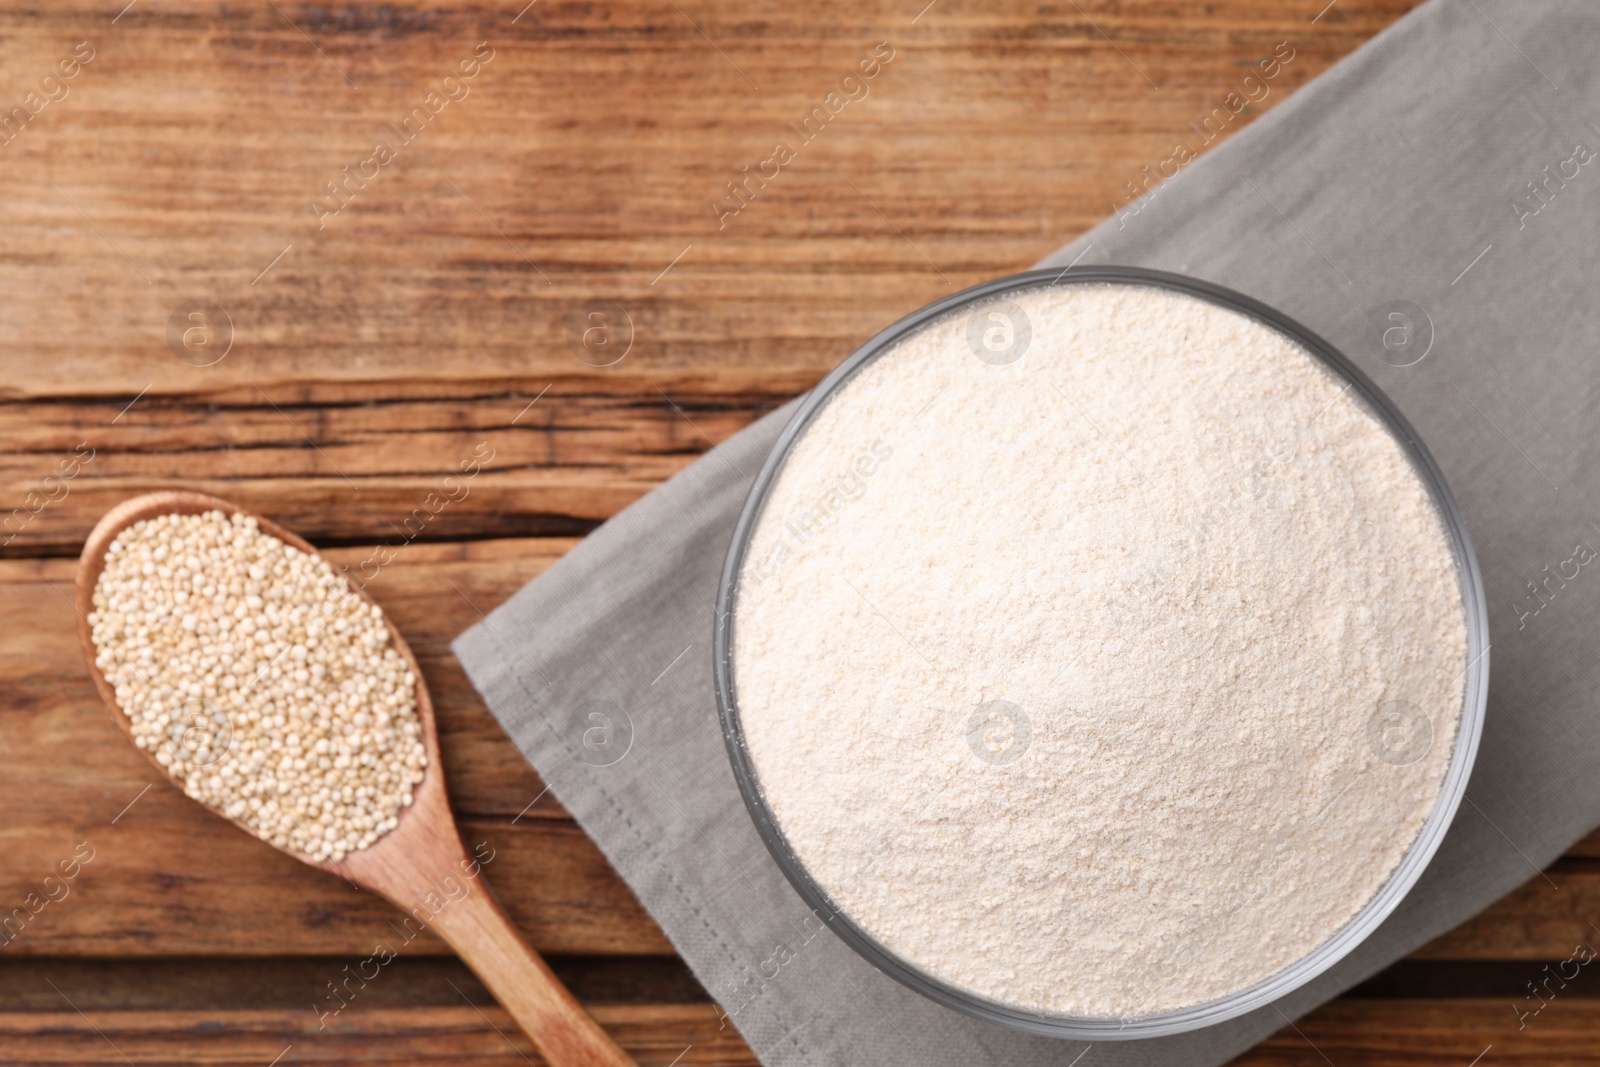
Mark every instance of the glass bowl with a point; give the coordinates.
(1325, 955)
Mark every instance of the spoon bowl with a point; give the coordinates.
(421, 865)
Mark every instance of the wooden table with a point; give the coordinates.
(178, 310)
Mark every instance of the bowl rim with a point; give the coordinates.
(1344, 940)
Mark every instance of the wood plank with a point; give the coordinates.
(220, 988)
(1542, 920)
(686, 1035)
(224, 984)
(777, 299)
(389, 468)
(1375, 1026)
(1354, 1032)
(169, 879)
(1349, 1032)
(580, 165)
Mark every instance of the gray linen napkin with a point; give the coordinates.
(1397, 183)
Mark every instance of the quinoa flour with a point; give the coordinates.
(1128, 680)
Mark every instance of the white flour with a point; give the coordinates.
(1127, 680)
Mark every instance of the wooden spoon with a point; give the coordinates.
(409, 864)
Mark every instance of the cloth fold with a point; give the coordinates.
(1446, 173)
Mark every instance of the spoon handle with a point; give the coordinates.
(523, 983)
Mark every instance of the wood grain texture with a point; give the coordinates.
(667, 1035)
(438, 314)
